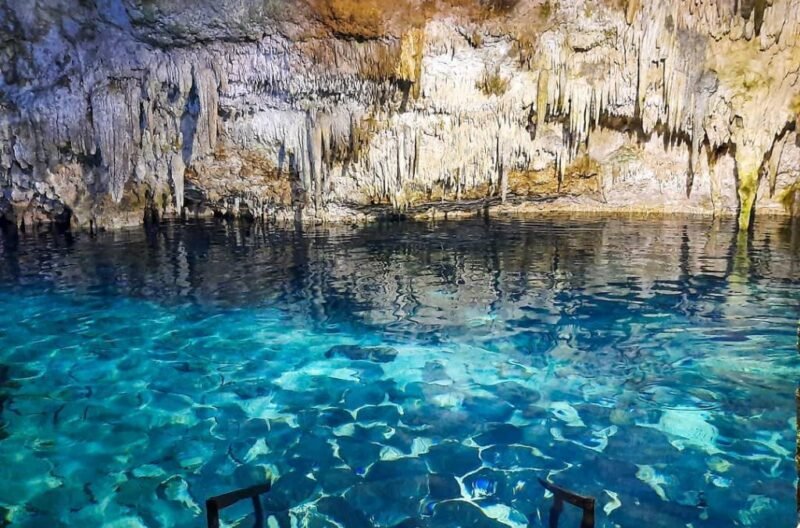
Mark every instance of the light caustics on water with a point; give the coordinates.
(405, 374)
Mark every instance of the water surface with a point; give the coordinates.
(401, 374)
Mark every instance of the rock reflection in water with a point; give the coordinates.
(401, 374)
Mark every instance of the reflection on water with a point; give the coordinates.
(401, 373)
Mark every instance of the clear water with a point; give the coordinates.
(650, 364)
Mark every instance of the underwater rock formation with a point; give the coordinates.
(119, 110)
(378, 354)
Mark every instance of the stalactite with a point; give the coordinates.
(631, 8)
(542, 97)
(177, 170)
(774, 162)
(315, 155)
(748, 163)
(711, 160)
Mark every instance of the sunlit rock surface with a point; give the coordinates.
(120, 110)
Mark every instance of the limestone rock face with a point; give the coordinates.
(116, 110)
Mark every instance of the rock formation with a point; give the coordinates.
(113, 111)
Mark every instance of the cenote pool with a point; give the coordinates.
(401, 374)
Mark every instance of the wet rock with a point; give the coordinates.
(378, 354)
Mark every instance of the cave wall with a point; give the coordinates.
(113, 111)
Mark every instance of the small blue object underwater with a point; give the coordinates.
(401, 375)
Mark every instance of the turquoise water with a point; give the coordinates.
(401, 374)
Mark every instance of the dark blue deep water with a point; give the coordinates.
(404, 374)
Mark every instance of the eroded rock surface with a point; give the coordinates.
(119, 110)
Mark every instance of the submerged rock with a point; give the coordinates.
(516, 457)
(688, 429)
(358, 454)
(384, 414)
(289, 491)
(406, 468)
(378, 354)
(516, 394)
(489, 409)
(341, 511)
(443, 487)
(148, 471)
(463, 513)
(388, 501)
(176, 489)
(335, 480)
(453, 458)
(499, 434)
